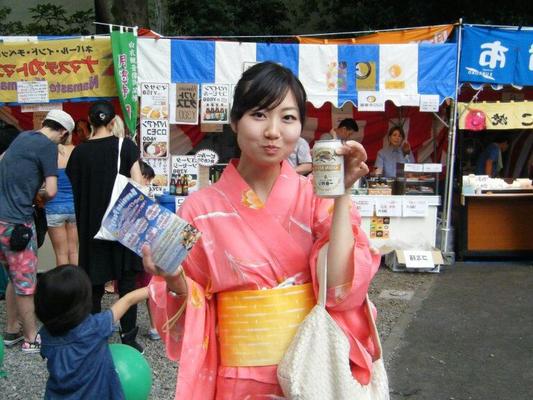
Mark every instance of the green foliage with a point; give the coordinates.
(47, 19)
(217, 17)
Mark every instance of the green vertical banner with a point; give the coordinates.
(124, 46)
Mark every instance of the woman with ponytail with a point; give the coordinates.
(92, 169)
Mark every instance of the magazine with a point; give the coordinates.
(136, 220)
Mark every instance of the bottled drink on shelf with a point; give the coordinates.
(172, 188)
(179, 187)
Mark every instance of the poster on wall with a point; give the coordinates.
(187, 103)
(154, 138)
(215, 104)
(161, 169)
(154, 101)
(379, 227)
(185, 166)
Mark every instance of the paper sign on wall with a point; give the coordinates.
(414, 207)
(370, 101)
(418, 259)
(32, 92)
(429, 167)
(429, 102)
(161, 170)
(154, 138)
(410, 167)
(388, 207)
(186, 165)
(154, 100)
(365, 206)
(40, 107)
(215, 104)
(187, 103)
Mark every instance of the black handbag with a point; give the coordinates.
(41, 226)
(20, 237)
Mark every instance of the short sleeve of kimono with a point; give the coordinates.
(364, 263)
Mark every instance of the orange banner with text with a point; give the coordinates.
(73, 68)
(432, 34)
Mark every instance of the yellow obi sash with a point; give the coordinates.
(255, 327)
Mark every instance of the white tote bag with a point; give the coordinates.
(316, 365)
(120, 183)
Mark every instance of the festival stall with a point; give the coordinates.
(186, 88)
(40, 74)
(494, 216)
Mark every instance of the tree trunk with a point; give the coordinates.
(102, 13)
(131, 12)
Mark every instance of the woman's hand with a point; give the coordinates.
(151, 268)
(354, 162)
(173, 280)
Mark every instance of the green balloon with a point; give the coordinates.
(133, 371)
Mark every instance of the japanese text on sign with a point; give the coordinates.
(186, 104)
(418, 259)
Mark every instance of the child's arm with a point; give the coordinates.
(124, 303)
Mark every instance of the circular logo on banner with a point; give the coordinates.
(206, 158)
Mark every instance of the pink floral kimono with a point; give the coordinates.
(248, 245)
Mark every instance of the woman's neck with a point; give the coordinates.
(261, 179)
(101, 132)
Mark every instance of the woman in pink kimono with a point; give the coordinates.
(264, 233)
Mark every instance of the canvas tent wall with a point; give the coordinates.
(401, 73)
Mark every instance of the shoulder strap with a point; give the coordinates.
(120, 140)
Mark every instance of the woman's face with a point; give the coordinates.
(267, 137)
(82, 130)
(395, 138)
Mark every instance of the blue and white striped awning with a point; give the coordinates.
(329, 73)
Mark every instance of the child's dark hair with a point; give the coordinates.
(146, 170)
(55, 126)
(63, 298)
(263, 87)
(101, 113)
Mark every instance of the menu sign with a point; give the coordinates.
(154, 138)
(154, 100)
(215, 104)
(187, 103)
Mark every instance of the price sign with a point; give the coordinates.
(206, 158)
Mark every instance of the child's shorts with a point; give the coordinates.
(21, 266)
(57, 220)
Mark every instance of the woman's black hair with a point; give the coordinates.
(263, 87)
(101, 113)
(396, 128)
(63, 298)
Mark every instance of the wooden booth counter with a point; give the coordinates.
(496, 225)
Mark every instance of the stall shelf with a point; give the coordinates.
(401, 233)
(496, 225)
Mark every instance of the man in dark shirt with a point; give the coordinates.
(30, 160)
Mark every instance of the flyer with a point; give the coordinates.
(154, 138)
(215, 104)
(161, 168)
(135, 220)
(154, 101)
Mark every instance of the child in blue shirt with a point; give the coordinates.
(74, 341)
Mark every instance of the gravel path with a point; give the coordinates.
(27, 373)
